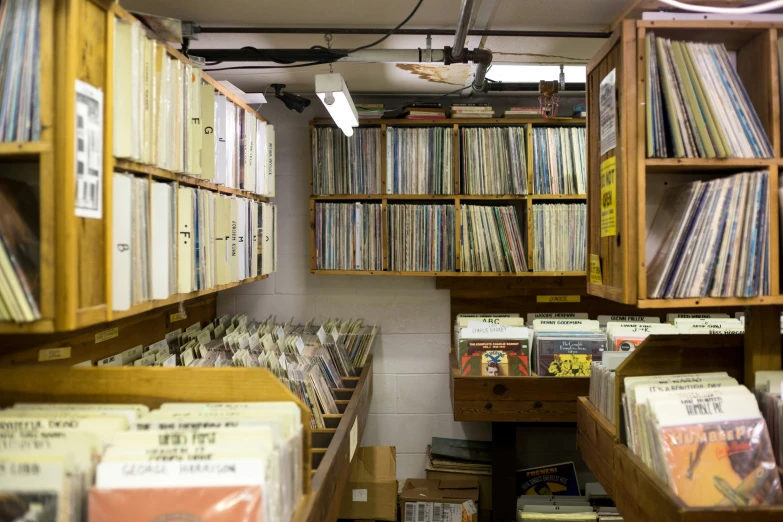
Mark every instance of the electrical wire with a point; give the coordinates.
(760, 8)
(390, 32)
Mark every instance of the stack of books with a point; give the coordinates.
(471, 110)
(424, 111)
(522, 112)
(369, 111)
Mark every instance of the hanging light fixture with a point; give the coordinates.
(333, 92)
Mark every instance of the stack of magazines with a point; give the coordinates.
(346, 165)
(20, 118)
(703, 435)
(491, 240)
(697, 106)
(559, 237)
(419, 160)
(711, 239)
(421, 238)
(559, 160)
(348, 236)
(494, 160)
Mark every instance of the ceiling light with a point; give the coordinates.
(334, 94)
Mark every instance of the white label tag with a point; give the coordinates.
(322, 335)
(88, 151)
(607, 97)
(354, 437)
(359, 495)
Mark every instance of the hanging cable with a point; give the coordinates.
(238, 67)
(760, 8)
(376, 42)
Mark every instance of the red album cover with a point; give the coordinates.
(195, 504)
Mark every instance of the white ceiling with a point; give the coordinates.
(574, 15)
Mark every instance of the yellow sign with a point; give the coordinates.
(595, 269)
(609, 197)
(179, 316)
(53, 354)
(105, 335)
(558, 298)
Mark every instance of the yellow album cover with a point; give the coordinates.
(722, 463)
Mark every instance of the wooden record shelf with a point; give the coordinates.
(623, 256)
(332, 449)
(514, 399)
(525, 201)
(640, 495)
(77, 43)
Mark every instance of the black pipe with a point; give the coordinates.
(412, 32)
(528, 87)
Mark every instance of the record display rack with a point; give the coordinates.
(328, 452)
(77, 43)
(456, 198)
(622, 256)
(640, 495)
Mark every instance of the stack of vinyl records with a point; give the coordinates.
(559, 237)
(19, 252)
(559, 160)
(704, 436)
(419, 160)
(346, 165)
(491, 240)
(711, 239)
(566, 347)
(348, 236)
(769, 386)
(471, 110)
(20, 118)
(369, 111)
(494, 160)
(697, 106)
(421, 238)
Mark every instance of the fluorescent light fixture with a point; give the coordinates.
(334, 94)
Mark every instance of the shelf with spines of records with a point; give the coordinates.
(445, 237)
(509, 159)
(153, 114)
(173, 241)
(706, 187)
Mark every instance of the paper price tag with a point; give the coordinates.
(105, 335)
(322, 335)
(359, 495)
(558, 298)
(609, 197)
(179, 316)
(54, 354)
(595, 269)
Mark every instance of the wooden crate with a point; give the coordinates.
(622, 257)
(595, 438)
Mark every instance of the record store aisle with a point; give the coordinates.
(317, 261)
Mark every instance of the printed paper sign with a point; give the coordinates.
(558, 298)
(595, 269)
(607, 97)
(89, 151)
(53, 354)
(609, 197)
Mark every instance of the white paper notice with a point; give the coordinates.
(608, 112)
(354, 437)
(89, 151)
(359, 495)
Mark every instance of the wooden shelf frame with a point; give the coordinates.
(77, 43)
(624, 275)
(514, 399)
(524, 202)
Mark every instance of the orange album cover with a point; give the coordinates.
(194, 504)
(722, 463)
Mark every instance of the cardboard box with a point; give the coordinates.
(431, 500)
(372, 489)
(484, 482)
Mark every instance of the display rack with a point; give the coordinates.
(622, 256)
(456, 198)
(640, 495)
(76, 43)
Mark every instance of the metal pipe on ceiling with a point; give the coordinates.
(461, 34)
(406, 32)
